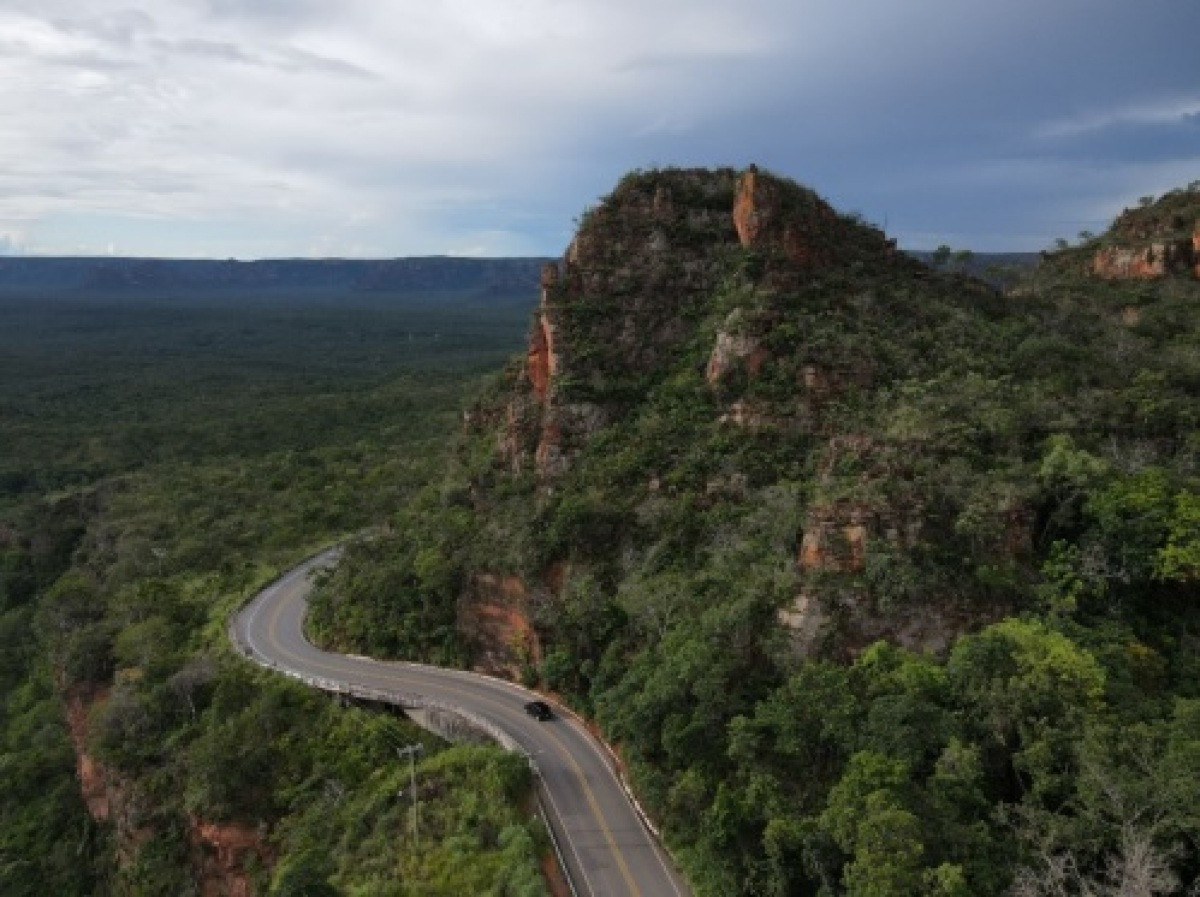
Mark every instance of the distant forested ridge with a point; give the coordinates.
(403, 275)
(1001, 269)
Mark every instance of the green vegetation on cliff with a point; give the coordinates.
(884, 582)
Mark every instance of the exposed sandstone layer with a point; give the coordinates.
(542, 362)
(1153, 241)
(765, 215)
(852, 523)
(1149, 262)
(93, 778)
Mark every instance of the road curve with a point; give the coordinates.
(604, 845)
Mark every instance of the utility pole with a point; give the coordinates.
(411, 750)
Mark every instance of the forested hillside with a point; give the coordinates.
(163, 458)
(883, 582)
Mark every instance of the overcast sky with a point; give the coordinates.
(379, 128)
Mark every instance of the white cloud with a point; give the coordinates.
(11, 243)
(193, 111)
(1162, 111)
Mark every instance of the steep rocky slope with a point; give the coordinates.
(1153, 240)
(780, 330)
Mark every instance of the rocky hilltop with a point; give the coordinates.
(771, 316)
(1155, 240)
(638, 279)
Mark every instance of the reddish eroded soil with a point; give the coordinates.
(93, 780)
(220, 851)
(223, 852)
(496, 623)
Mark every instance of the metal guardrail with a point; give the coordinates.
(414, 701)
(408, 700)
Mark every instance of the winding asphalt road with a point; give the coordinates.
(605, 847)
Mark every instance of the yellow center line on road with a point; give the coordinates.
(594, 804)
(563, 750)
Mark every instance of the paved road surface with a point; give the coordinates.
(604, 845)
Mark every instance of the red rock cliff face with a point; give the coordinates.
(1150, 244)
(1145, 263)
(495, 615)
(537, 421)
(761, 218)
(222, 855)
(93, 779)
(110, 798)
(753, 211)
(542, 362)
(538, 364)
(1196, 251)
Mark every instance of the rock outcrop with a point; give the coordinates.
(843, 625)
(619, 305)
(863, 515)
(1158, 239)
(611, 311)
(734, 348)
(93, 778)
(764, 217)
(496, 619)
(1154, 260)
(225, 854)
(835, 539)
(542, 362)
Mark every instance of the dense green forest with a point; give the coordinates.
(164, 456)
(883, 582)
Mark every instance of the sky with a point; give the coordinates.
(384, 128)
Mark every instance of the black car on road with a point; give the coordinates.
(539, 710)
